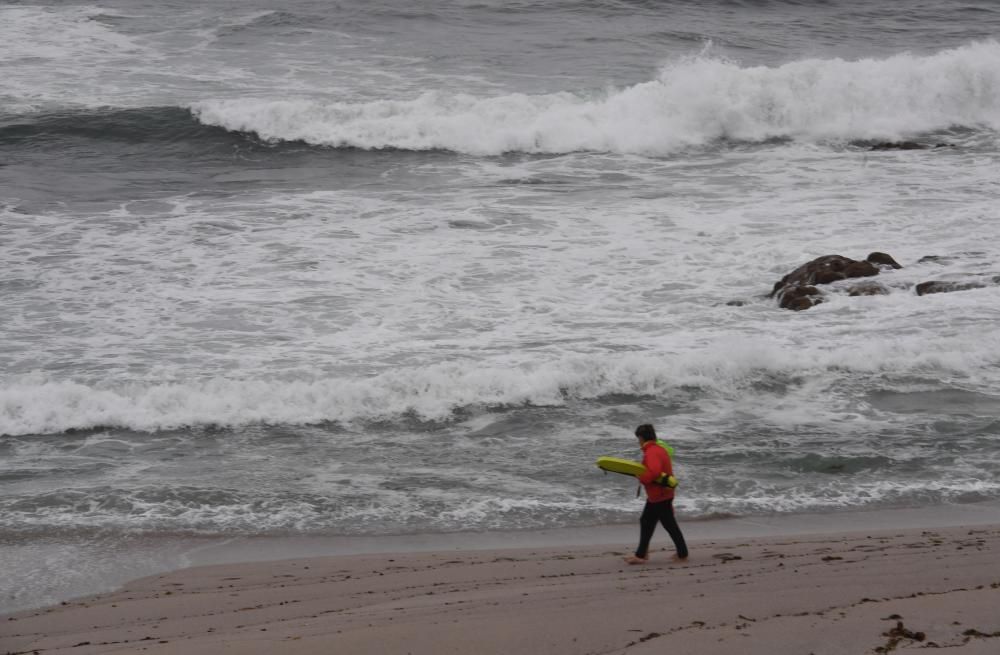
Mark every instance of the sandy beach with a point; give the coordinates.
(859, 592)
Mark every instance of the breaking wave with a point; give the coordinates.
(692, 102)
(35, 404)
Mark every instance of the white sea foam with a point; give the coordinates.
(343, 305)
(693, 101)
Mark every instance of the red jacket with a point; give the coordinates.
(657, 461)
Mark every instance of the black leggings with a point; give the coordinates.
(661, 512)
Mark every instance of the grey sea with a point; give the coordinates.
(370, 268)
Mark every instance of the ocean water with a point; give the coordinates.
(374, 268)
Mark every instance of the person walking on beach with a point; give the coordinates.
(659, 497)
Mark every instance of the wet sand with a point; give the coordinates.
(858, 592)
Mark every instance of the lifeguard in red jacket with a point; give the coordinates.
(659, 506)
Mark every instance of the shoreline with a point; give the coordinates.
(860, 592)
(927, 565)
(267, 548)
(136, 557)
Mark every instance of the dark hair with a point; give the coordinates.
(646, 432)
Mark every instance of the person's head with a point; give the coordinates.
(645, 432)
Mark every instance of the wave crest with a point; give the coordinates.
(693, 102)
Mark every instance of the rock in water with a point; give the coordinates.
(797, 290)
(939, 286)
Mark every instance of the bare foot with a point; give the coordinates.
(678, 558)
(632, 559)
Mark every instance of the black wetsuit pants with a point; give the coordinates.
(661, 512)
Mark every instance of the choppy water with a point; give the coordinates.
(369, 268)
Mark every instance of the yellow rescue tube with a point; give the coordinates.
(618, 465)
(631, 467)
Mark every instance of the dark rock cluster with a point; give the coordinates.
(797, 290)
(800, 289)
